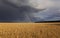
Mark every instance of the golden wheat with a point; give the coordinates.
(29, 30)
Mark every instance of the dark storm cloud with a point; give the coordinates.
(17, 2)
(11, 13)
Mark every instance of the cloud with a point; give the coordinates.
(44, 3)
(48, 15)
(40, 4)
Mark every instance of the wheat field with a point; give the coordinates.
(29, 30)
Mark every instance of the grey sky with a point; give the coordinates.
(52, 11)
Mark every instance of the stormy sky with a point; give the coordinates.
(52, 12)
(27, 10)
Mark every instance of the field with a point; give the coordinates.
(29, 30)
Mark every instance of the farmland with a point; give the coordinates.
(29, 30)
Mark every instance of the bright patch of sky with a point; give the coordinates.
(45, 3)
